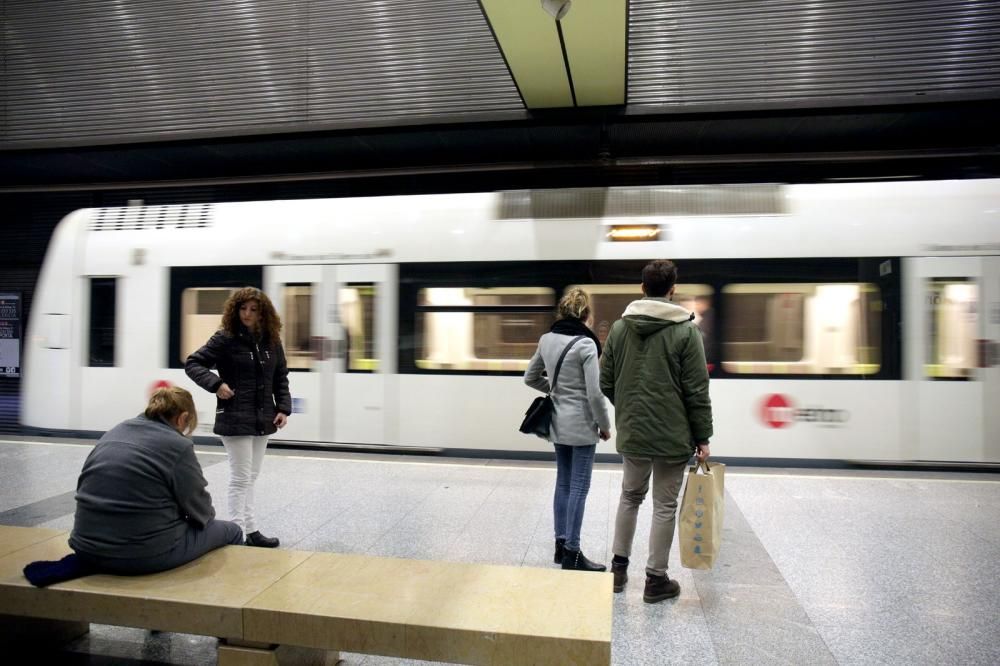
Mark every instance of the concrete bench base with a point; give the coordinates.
(242, 653)
(19, 632)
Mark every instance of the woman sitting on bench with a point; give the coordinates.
(141, 502)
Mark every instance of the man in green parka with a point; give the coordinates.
(654, 373)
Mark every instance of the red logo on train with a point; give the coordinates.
(777, 411)
(158, 384)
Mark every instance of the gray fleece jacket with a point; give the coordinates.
(140, 490)
(579, 405)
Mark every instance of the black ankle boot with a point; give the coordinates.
(575, 560)
(659, 588)
(560, 545)
(261, 541)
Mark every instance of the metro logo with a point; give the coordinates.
(157, 385)
(777, 411)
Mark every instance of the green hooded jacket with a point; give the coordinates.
(653, 372)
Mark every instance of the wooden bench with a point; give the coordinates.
(284, 606)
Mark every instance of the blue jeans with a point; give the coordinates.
(574, 465)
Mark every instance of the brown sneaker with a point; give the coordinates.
(620, 571)
(659, 588)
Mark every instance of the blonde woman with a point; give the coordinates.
(580, 417)
(141, 502)
(252, 390)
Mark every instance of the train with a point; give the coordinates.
(842, 321)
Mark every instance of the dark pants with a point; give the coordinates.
(574, 465)
(196, 542)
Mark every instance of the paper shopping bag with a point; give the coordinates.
(702, 507)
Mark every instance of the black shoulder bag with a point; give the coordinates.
(538, 418)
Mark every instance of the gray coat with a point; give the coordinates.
(140, 489)
(579, 405)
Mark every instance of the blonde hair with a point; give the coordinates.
(169, 403)
(575, 304)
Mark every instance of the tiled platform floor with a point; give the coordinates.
(841, 567)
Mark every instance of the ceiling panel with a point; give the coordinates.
(595, 36)
(741, 54)
(396, 59)
(530, 42)
(91, 71)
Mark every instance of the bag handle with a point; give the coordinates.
(562, 357)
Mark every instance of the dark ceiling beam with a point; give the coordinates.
(582, 139)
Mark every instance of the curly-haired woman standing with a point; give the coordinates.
(253, 397)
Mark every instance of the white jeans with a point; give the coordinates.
(246, 454)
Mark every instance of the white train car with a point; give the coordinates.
(847, 321)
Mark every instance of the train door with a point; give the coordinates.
(948, 413)
(990, 283)
(361, 312)
(339, 334)
(297, 294)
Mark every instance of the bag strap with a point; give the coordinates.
(562, 357)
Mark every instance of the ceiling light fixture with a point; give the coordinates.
(557, 8)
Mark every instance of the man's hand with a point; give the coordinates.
(224, 392)
(605, 435)
(280, 420)
(702, 452)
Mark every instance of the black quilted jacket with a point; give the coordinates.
(256, 372)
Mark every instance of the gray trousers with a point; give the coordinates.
(196, 542)
(667, 480)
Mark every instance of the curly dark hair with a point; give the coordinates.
(270, 322)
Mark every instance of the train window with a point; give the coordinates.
(297, 326)
(357, 312)
(201, 315)
(802, 329)
(101, 343)
(481, 329)
(610, 300)
(953, 314)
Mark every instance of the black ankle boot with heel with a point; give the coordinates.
(576, 561)
(560, 545)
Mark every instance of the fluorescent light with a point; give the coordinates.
(634, 232)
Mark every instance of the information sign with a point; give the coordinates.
(10, 334)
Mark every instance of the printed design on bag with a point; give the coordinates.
(701, 514)
(779, 411)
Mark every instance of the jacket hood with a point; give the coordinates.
(649, 315)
